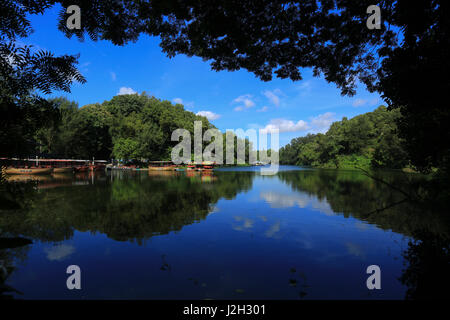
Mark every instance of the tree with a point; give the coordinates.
(367, 140)
(24, 72)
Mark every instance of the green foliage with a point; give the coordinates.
(365, 141)
(25, 72)
(126, 127)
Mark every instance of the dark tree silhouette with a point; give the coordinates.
(24, 72)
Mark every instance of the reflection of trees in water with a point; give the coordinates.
(126, 208)
(351, 193)
(130, 208)
(12, 252)
(136, 207)
(427, 258)
(427, 273)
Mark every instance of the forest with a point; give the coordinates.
(369, 140)
(125, 127)
(129, 127)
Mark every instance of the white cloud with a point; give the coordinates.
(363, 102)
(359, 102)
(374, 101)
(245, 101)
(318, 124)
(209, 115)
(113, 76)
(125, 90)
(187, 104)
(284, 125)
(263, 109)
(305, 87)
(322, 122)
(273, 96)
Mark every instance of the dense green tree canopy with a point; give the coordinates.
(367, 140)
(125, 127)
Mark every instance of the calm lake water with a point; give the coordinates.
(232, 234)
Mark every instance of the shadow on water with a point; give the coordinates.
(427, 258)
(134, 207)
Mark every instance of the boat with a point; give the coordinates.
(161, 166)
(140, 169)
(160, 169)
(63, 170)
(28, 170)
(207, 166)
(81, 168)
(28, 177)
(97, 167)
(179, 169)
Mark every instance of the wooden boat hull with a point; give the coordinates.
(63, 170)
(28, 171)
(97, 167)
(160, 168)
(28, 177)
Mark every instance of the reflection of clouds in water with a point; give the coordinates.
(59, 252)
(301, 200)
(305, 243)
(355, 250)
(280, 200)
(361, 226)
(214, 209)
(273, 230)
(247, 223)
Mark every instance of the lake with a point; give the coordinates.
(230, 234)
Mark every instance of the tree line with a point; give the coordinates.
(127, 127)
(370, 140)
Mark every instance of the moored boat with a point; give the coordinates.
(28, 170)
(161, 166)
(28, 177)
(81, 168)
(63, 170)
(205, 166)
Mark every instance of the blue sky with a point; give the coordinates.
(231, 100)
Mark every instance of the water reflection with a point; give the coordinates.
(277, 213)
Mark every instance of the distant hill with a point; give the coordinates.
(131, 126)
(369, 140)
